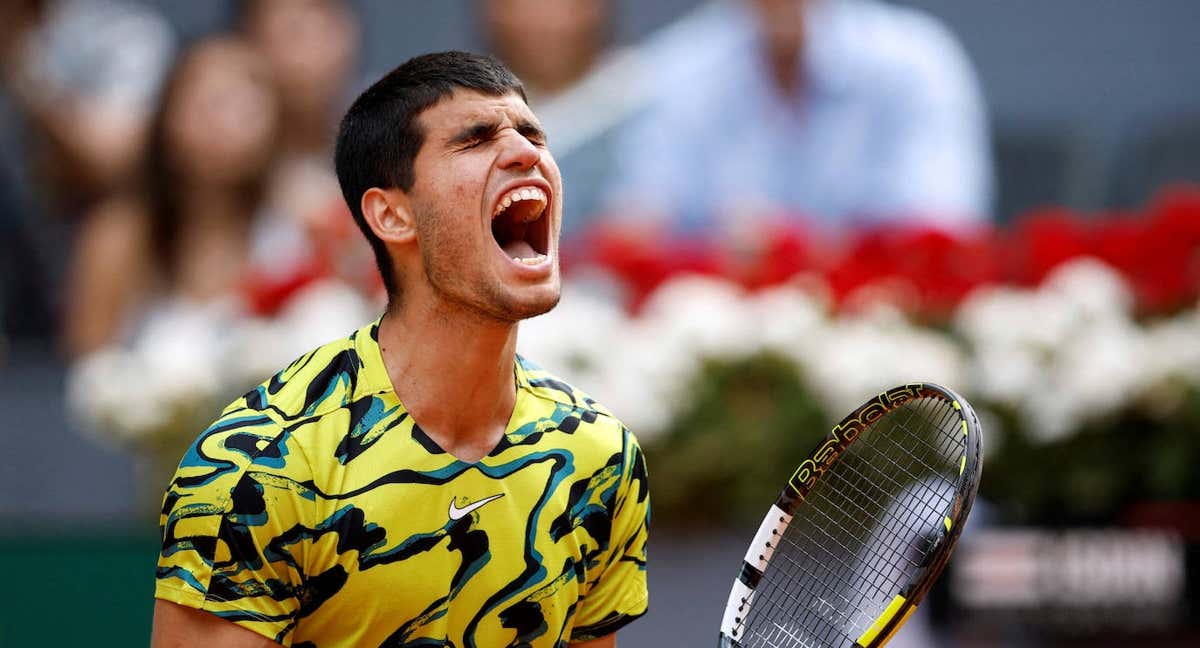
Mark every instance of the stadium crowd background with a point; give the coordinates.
(170, 230)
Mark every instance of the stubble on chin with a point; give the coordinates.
(458, 276)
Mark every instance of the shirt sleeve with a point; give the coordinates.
(226, 525)
(619, 593)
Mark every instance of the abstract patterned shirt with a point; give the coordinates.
(317, 513)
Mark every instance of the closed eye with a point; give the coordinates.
(474, 135)
(532, 133)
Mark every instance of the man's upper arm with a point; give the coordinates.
(176, 626)
(224, 524)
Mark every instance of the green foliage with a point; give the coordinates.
(1094, 475)
(748, 422)
(746, 425)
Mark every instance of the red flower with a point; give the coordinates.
(1042, 240)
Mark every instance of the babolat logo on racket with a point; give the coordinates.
(848, 430)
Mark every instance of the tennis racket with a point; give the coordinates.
(863, 527)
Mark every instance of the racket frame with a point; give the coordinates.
(810, 471)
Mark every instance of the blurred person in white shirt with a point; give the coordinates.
(836, 112)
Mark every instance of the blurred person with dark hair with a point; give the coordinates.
(186, 234)
(88, 73)
(416, 482)
(551, 46)
(841, 112)
(311, 47)
(22, 307)
(78, 79)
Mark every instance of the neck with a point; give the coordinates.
(454, 374)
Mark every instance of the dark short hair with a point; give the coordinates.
(379, 137)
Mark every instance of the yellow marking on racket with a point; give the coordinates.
(956, 405)
(964, 428)
(881, 622)
(962, 465)
(896, 628)
(947, 521)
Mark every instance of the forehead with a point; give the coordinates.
(467, 107)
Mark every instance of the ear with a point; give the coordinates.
(388, 213)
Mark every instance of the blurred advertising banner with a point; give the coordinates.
(1076, 583)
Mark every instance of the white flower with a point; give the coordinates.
(1172, 348)
(1092, 288)
(1171, 358)
(1100, 370)
(321, 312)
(1050, 416)
(1009, 317)
(702, 317)
(791, 321)
(860, 357)
(575, 338)
(1006, 374)
(594, 345)
(258, 349)
(182, 348)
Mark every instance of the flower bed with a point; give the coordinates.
(1077, 338)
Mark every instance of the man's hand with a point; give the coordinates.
(176, 626)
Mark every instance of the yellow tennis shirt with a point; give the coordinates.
(317, 513)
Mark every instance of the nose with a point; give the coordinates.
(518, 153)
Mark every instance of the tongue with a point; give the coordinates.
(520, 249)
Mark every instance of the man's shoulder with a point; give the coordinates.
(544, 384)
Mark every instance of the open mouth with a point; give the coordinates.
(520, 225)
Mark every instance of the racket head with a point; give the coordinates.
(863, 528)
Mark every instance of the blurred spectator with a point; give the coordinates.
(17, 288)
(551, 46)
(87, 75)
(186, 234)
(311, 47)
(77, 83)
(841, 111)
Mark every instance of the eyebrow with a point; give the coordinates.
(475, 132)
(483, 130)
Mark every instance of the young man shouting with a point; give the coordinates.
(417, 483)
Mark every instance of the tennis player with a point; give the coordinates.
(417, 483)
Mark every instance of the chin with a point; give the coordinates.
(538, 302)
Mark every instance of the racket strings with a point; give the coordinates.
(862, 533)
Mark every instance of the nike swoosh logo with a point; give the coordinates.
(460, 513)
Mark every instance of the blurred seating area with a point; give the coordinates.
(773, 209)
